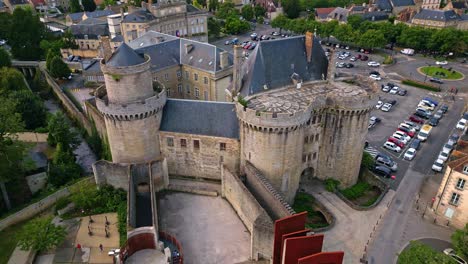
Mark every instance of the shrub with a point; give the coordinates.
(122, 222)
(367, 161)
(421, 85)
(388, 59)
(331, 185)
(62, 203)
(356, 190)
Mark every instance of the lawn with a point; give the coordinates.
(362, 193)
(306, 202)
(442, 73)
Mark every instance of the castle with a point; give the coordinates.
(290, 120)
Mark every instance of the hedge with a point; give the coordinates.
(421, 85)
(356, 190)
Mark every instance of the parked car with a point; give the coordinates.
(461, 124)
(443, 155)
(394, 90)
(448, 147)
(386, 89)
(227, 42)
(373, 64)
(433, 121)
(253, 36)
(454, 137)
(403, 124)
(353, 59)
(450, 252)
(392, 102)
(349, 65)
(391, 84)
(438, 165)
(407, 131)
(375, 77)
(386, 161)
(422, 113)
(398, 140)
(441, 62)
(364, 58)
(392, 146)
(444, 108)
(374, 72)
(402, 135)
(373, 121)
(436, 80)
(432, 101)
(379, 104)
(386, 107)
(409, 154)
(416, 143)
(439, 114)
(402, 92)
(382, 171)
(414, 125)
(416, 119)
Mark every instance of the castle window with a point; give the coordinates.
(205, 95)
(168, 91)
(316, 137)
(196, 144)
(309, 157)
(460, 184)
(222, 146)
(195, 76)
(166, 76)
(455, 199)
(314, 119)
(170, 142)
(183, 143)
(187, 75)
(306, 139)
(179, 74)
(221, 159)
(319, 119)
(465, 169)
(315, 155)
(205, 80)
(304, 158)
(187, 88)
(197, 93)
(179, 88)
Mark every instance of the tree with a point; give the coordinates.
(247, 12)
(280, 22)
(5, 21)
(259, 11)
(367, 161)
(411, 37)
(10, 150)
(63, 168)
(31, 108)
(344, 33)
(418, 253)
(236, 26)
(326, 29)
(460, 242)
(226, 9)
(214, 28)
(41, 234)
(26, 34)
(446, 40)
(11, 80)
(212, 5)
(372, 39)
(88, 5)
(354, 21)
(58, 68)
(5, 60)
(60, 131)
(291, 8)
(75, 6)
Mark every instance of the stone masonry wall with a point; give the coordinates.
(204, 162)
(97, 118)
(250, 212)
(114, 174)
(268, 197)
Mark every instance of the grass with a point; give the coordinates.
(442, 73)
(421, 85)
(388, 59)
(356, 191)
(8, 244)
(305, 202)
(362, 194)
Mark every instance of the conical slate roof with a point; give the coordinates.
(125, 56)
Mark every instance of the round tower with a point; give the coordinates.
(132, 106)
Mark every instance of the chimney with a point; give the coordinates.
(236, 74)
(309, 43)
(188, 48)
(106, 50)
(223, 59)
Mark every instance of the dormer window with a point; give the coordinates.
(465, 169)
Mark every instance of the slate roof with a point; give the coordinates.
(201, 55)
(437, 15)
(125, 56)
(459, 4)
(150, 38)
(273, 62)
(396, 3)
(323, 12)
(117, 38)
(206, 118)
(339, 13)
(139, 16)
(191, 8)
(76, 17)
(93, 68)
(163, 55)
(358, 8)
(19, 2)
(384, 5)
(91, 27)
(375, 16)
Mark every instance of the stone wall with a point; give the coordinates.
(84, 53)
(32, 137)
(250, 212)
(204, 162)
(131, 203)
(268, 197)
(97, 118)
(114, 174)
(36, 181)
(159, 174)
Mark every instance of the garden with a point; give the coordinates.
(306, 202)
(441, 73)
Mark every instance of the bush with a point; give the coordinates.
(303, 202)
(331, 185)
(367, 161)
(421, 85)
(62, 203)
(122, 222)
(356, 190)
(90, 84)
(98, 201)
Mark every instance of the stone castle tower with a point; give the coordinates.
(132, 106)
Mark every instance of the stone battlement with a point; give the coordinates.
(125, 70)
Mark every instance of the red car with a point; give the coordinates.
(364, 58)
(396, 141)
(416, 119)
(406, 131)
(358, 56)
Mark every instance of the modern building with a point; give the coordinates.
(451, 201)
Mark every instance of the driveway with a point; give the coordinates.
(353, 228)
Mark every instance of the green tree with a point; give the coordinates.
(327, 29)
(5, 60)
(11, 80)
(63, 168)
(26, 34)
(411, 37)
(227, 9)
(212, 5)
(53, 46)
(5, 21)
(112, 2)
(259, 11)
(291, 8)
(460, 242)
(58, 68)
(418, 253)
(60, 131)
(51, 54)
(247, 12)
(367, 161)
(236, 26)
(280, 22)
(372, 39)
(88, 5)
(446, 40)
(75, 6)
(41, 234)
(10, 150)
(214, 28)
(354, 21)
(344, 33)
(31, 108)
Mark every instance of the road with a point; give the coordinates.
(260, 29)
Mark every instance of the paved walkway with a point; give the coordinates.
(353, 228)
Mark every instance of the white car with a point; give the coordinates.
(444, 155)
(403, 134)
(438, 165)
(375, 77)
(386, 107)
(441, 62)
(409, 154)
(394, 90)
(412, 129)
(461, 124)
(373, 64)
(450, 252)
(401, 138)
(379, 104)
(391, 146)
(2, 42)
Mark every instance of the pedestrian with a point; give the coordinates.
(101, 247)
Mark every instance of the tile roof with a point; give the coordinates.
(437, 15)
(323, 11)
(273, 62)
(139, 16)
(91, 28)
(206, 118)
(125, 56)
(396, 3)
(339, 13)
(76, 17)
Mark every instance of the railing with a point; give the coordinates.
(175, 259)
